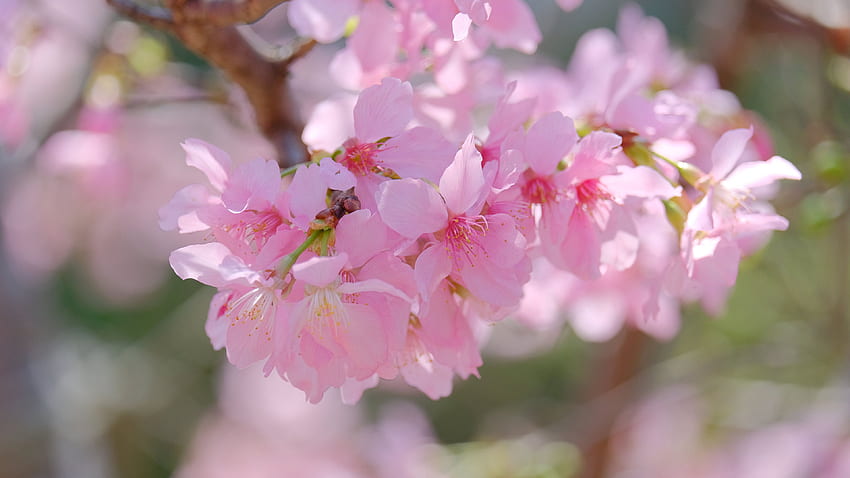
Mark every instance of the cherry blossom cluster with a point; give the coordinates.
(621, 182)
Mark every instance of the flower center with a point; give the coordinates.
(463, 237)
(254, 228)
(539, 190)
(591, 192)
(489, 153)
(593, 198)
(326, 312)
(255, 307)
(359, 158)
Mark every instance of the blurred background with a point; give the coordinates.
(105, 369)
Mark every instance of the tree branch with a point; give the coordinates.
(198, 26)
(221, 13)
(298, 52)
(154, 16)
(612, 386)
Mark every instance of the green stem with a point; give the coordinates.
(291, 170)
(664, 158)
(687, 171)
(289, 260)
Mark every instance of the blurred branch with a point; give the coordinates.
(836, 37)
(299, 51)
(761, 17)
(150, 102)
(222, 13)
(200, 27)
(154, 16)
(613, 385)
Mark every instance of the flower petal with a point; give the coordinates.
(462, 184)
(753, 174)
(548, 141)
(211, 160)
(383, 110)
(256, 183)
(201, 262)
(411, 207)
(432, 266)
(320, 270)
(728, 150)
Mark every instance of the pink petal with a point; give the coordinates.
(548, 141)
(335, 175)
(503, 243)
(441, 12)
(411, 207)
(308, 193)
(506, 171)
(201, 262)
(418, 153)
(383, 110)
(432, 378)
(750, 223)
(364, 340)
(460, 26)
(374, 44)
(447, 334)
(246, 344)
(256, 182)
(513, 25)
(700, 217)
(361, 235)
(553, 229)
(372, 285)
(211, 160)
(620, 241)
(352, 390)
(753, 174)
(181, 212)
(320, 270)
(323, 20)
(508, 117)
(593, 157)
(432, 266)
(330, 123)
(491, 283)
(581, 249)
(217, 324)
(462, 184)
(728, 150)
(640, 181)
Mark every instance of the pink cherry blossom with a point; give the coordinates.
(727, 210)
(483, 252)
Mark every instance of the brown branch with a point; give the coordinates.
(264, 82)
(613, 386)
(154, 16)
(222, 13)
(298, 52)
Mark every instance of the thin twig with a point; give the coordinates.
(223, 13)
(616, 371)
(200, 26)
(299, 51)
(154, 16)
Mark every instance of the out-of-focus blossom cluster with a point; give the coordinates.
(77, 96)
(615, 189)
(671, 434)
(263, 428)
